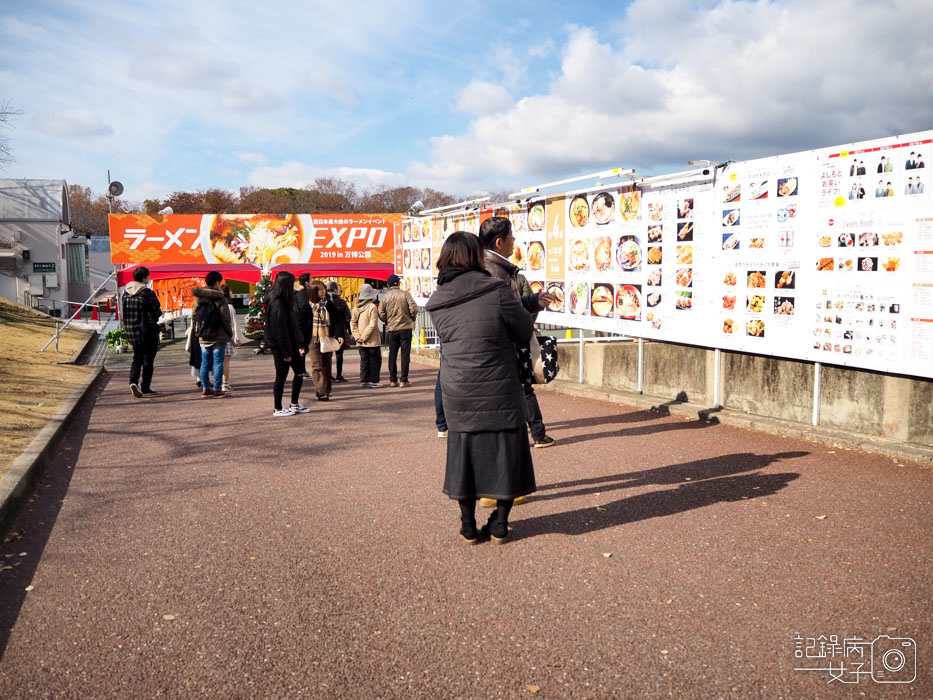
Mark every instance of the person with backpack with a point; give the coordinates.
(284, 339)
(398, 310)
(141, 312)
(213, 329)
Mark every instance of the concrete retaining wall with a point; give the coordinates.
(859, 401)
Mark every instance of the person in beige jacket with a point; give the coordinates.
(364, 325)
(398, 310)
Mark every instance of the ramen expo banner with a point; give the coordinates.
(260, 239)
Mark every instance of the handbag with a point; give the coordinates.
(329, 344)
(537, 362)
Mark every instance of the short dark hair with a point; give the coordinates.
(461, 251)
(303, 278)
(492, 229)
(140, 273)
(212, 278)
(317, 292)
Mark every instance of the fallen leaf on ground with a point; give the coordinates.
(29, 588)
(664, 651)
(600, 508)
(607, 554)
(532, 688)
(821, 517)
(168, 617)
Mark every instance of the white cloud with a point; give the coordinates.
(252, 158)
(72, 123)
(719, 80)
(297, 174)
(480, 97)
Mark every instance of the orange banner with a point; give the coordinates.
(175, 294)
(261, 239)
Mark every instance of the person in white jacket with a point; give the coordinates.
(236, 340)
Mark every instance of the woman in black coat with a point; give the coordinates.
(284, 338)
(478, 319)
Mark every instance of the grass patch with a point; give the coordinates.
(29, 377)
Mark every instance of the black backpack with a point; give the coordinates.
(207, 321)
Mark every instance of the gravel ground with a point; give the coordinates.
(183, 547)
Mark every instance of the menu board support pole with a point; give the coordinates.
(816, 393)
(641, 365)
(580, 380)
(717, 378)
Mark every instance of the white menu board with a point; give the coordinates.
(823, 255)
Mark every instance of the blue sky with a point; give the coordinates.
(466, 97)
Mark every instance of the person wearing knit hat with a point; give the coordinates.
(364, 325)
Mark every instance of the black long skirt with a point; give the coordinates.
(489, 464)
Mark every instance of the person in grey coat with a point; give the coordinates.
(478, 319)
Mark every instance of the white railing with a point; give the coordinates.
(85, 304)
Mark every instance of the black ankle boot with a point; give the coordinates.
(468, 532)
(496, 530)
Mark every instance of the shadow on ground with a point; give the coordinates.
(700, 483)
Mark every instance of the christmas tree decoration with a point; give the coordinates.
(256, 315)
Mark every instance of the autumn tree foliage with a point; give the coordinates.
(89, 211)
(324, 195)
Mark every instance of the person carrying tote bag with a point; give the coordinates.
(323, 343)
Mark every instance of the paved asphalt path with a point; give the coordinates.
(187, 548)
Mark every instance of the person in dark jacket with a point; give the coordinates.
(478, 320)
(496, 236)
(141, 312)
(343, 309)
(303, 315)
(284, 339)
(214, 348)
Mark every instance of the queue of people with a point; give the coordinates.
(482, 312)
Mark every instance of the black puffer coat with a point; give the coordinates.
(478, 318)
(282, 335)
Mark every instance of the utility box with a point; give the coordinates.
(37, 285)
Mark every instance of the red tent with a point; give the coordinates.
(252, 273)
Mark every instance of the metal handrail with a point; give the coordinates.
(58, 331)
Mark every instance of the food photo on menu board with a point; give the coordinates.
(579, 211)
(628, 302)
(602, 253)
(603, 208)
(578, 298)
(556, 290)
(602, 300)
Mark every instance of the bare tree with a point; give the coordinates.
(7, 112)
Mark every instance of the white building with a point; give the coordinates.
(41, 263)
